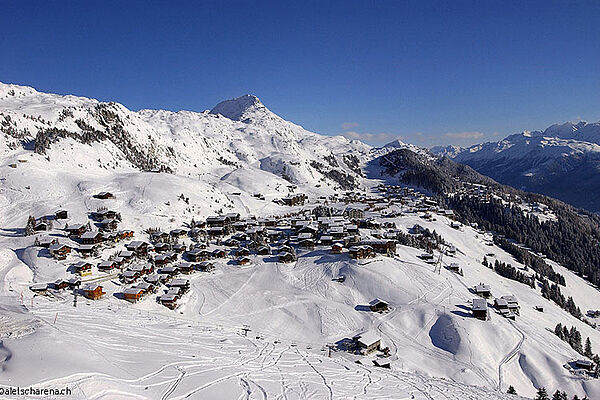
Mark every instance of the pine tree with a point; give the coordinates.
(588, 348)
(558, 395)
(511, 390)
(30, 227)
(558, 331)
(542, 394)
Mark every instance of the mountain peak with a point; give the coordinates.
(239, 107)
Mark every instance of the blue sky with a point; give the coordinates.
(429, 72)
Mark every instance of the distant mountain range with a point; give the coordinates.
(562, 161)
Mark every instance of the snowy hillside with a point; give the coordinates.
(251, 323)
(562, 161)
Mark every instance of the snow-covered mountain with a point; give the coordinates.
(239, 134)
(562, 161)
(167, 168)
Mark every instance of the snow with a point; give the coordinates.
(110, 348)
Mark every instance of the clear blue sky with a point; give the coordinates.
(430, 72)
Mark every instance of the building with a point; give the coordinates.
(480, 309)
(104, 195)
(90, 238)
(483, 291)
(83, 268)
(59, 251)
(367, 343)
(133, 294)
(377, 305)
(93, 291)
(61, 214)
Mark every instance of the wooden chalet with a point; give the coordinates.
(169, 300)
(83, 268)
(76, 230)
(59, 251)
(108, 224)
(139, 248)
(367, 343)
(185, 268)
(218, 253)
(377, 305)
(125, 233)
(382, 246)
(129, 276)
(263, 251)
(104, 196)
(170, 270)
(243, 260)
(61, 214)
(86, 250)
(91, 238)
(480, 309)
(107, 265)
(483, 290)
(133, 294)
(204, 266)
(93, 291)
(60, 284)
(182, 284)
(360, 252)
(337, 248)
(286, 257)
(39, 288)
(197, 255)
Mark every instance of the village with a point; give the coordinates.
(161, 265)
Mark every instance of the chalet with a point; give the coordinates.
(263, 250)
(286, 257)
(337, 232)
(205, 266)
(129, 276)
(382, 363)
(169, 300)
(480, 309)
(451, 251)
(90, 238)
(39, 287)
(146, 287)
(125, 234)
(218, 253)
(232, 217)
(178, 233)
(377, 305)
(106, 265)
(61, 214)
(93, 291)
(352, 228)
(196, 255)
(110, 237)
(41, 226)
(307, 243)
(108, 224)
(133, 294)
(427, 257)
(483, 290)
(239, 226)
(584, 364)
(217, 221)
(59, 251)
(74, 283)
(139, 248)
(82, 268)
(360, 252)
(511, 303)
(337, 248)
(170, 270)
(86, 250)
(326, 240)
(60, 284)
(231, 242)
(126, 254)
(153, 279)
(157, 237)
(161, 247)
(382, 246)
(215, 231)
(294, 200)
(454, 267)
(354, 213)
(178, 247)
(243, 260)
(45, 242)
(185, 268)
(308, 229)
(104, 196)
(182, 284)
(367, 343)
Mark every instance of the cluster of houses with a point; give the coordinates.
(507, 306)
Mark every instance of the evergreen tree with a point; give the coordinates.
(558, 331)
(542, 394)
(30, 227)
(511, 390)
(588, 348)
